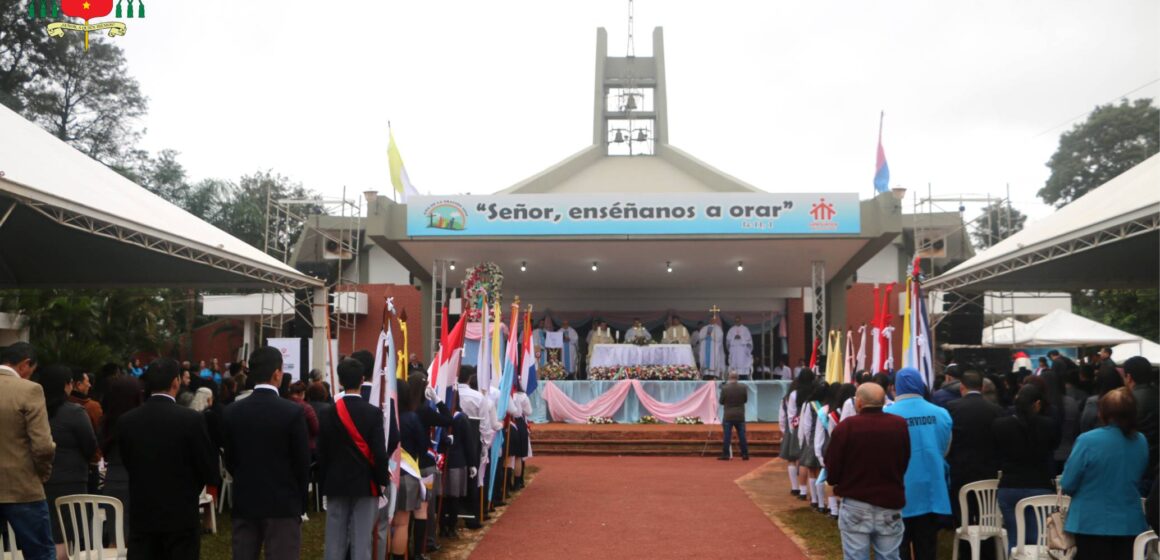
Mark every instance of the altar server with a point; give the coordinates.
(519, 448)
(696, 341)
(676, 333)
(568, 354)
(712, 351)
(740, 342)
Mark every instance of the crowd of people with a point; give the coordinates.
(886, 457)
(160, 437)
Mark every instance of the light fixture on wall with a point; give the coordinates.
(669, 266)
(452, 267)
(594, 267)
(524, 266)
(740, 266)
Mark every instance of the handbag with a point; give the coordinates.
(1060, 543)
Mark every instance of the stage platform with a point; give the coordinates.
(649, 439)
(764, 404)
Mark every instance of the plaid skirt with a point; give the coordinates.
(790, 451)
(808, 458)
(456, 486)
(407, 498)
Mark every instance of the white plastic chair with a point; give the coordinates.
(205, 504)
(1043, 507)
(10, 552)
(86, 515)
(990, 523)
(226, 492)
(1140, 549)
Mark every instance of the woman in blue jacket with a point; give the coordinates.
(1101, 476)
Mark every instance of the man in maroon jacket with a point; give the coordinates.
(865, 463)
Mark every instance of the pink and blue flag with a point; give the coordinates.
(881, 169)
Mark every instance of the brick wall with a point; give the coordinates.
(860, 310)
(367, 329)
(796, 331)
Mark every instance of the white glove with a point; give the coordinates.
(429, 393)
(451, 439)
(473, 472)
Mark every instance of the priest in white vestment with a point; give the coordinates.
(740, 343)
(568, 356)
(712, 351)
(676, 333)
(600, 334)
(636, 332)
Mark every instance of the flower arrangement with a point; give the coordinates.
(649, 420)
(482, 279)
(552, 371)
(689, 420)
(600, 420)
(649, 373)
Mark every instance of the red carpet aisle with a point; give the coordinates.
(635, 507)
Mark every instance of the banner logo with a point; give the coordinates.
(446, 215)
(86, 10)
(823, 214)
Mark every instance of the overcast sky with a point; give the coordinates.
(783, 95)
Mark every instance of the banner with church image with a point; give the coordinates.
(634, 214)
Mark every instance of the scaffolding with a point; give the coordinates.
(995, 223)
(439, 298)
(290, 220)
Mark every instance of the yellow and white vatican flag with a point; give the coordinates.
(403, 187)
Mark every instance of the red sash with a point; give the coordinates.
(359, 442)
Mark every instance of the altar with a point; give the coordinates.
(613, 355)
(764, 404)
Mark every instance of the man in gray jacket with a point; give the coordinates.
(734, 396)
(26, 453)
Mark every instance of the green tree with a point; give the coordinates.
(89, 100)
(1112, 140)
(88, 328)
(1134, 311)
(998, 221)
(243, 213)
(25, 50)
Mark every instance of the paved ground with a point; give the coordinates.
(636, 507)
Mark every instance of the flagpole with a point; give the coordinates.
(390, 136)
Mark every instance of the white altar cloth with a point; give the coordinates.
(611, 355)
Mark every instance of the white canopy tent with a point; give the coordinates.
(67, 220)
(1142, 347)
(1058, 328)
(1107, 238)
(1004, 333)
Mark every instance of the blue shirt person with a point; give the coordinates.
(927, 487)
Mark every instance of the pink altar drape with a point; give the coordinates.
(702, 403)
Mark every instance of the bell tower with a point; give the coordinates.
(629, 111)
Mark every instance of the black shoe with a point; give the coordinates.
(472, 524)
(433, 546)
(745, 457)
(722, 458)
(802, 497)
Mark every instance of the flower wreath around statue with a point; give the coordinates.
(482, 280)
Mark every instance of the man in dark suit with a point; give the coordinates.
(169, 457)
(733, 397)
(972, 456)
(367, 360)
(352, 465)
(268, 453)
